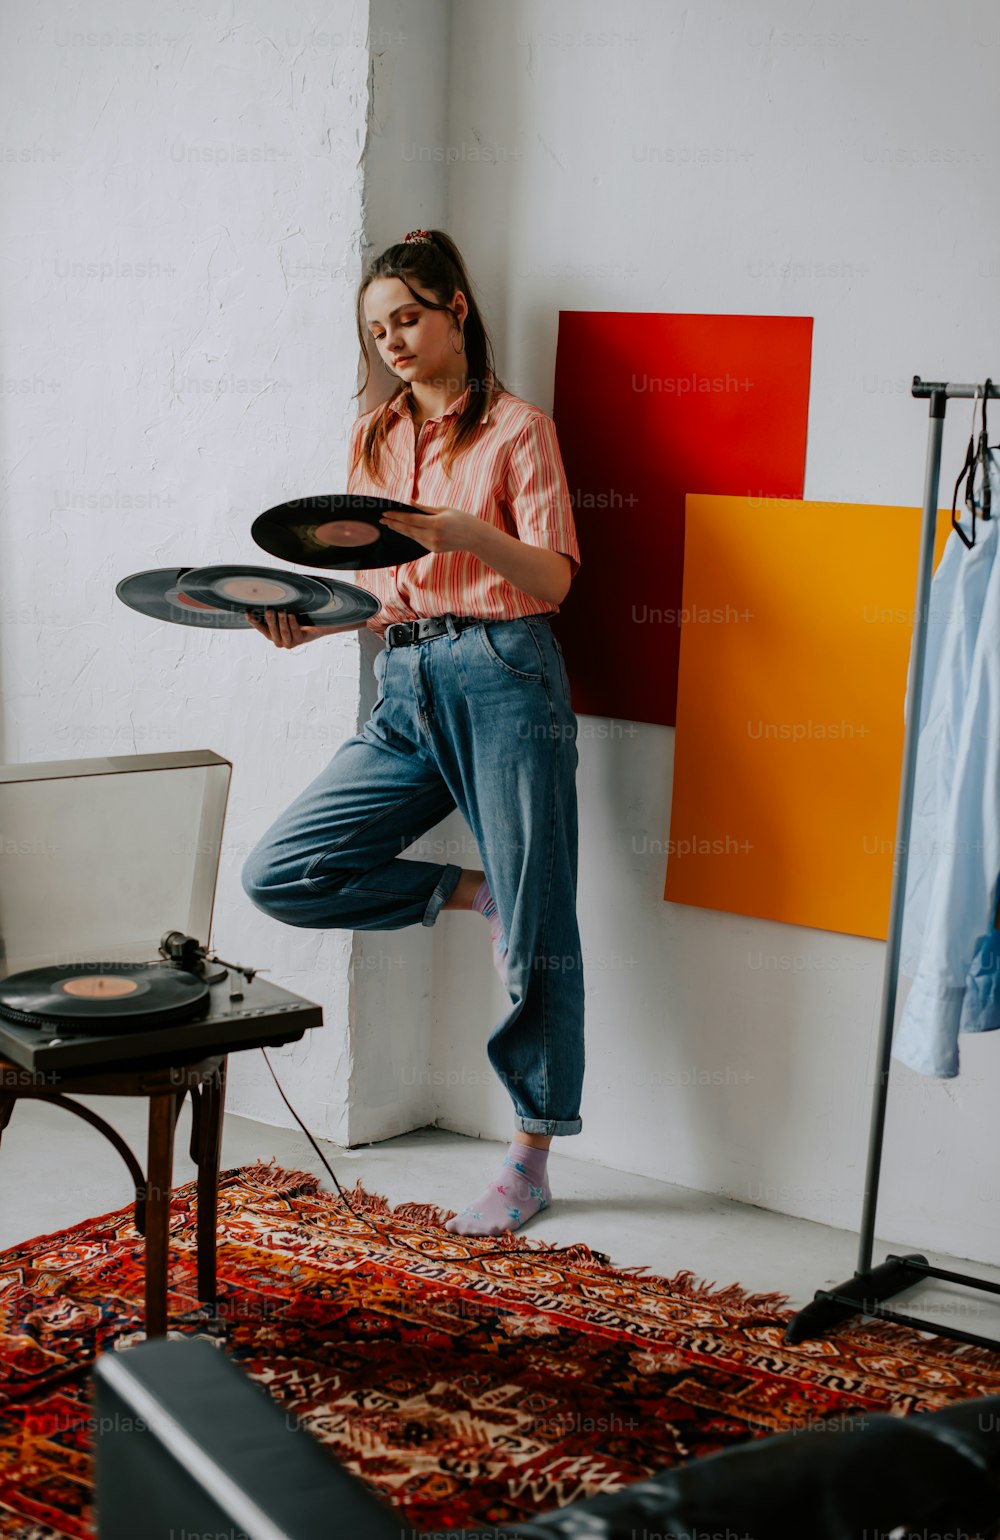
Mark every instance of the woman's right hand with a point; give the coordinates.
(284, 630)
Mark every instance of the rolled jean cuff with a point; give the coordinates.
(448, 882)
(548, 1125)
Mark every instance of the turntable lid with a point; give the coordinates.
(100, 857)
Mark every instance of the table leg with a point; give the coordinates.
(196, 1114)
(213, 1099)
(159, 1178)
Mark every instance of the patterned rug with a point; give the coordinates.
(464, 1381)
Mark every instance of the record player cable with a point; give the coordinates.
(495, 1252)
(312, 1141)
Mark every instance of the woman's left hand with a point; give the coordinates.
(439, 529)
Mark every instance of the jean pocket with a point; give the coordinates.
(512, 646)
(381, 661)
(564, 676)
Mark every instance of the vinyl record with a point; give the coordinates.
(161, 593)
(97, 997)
(341, 530)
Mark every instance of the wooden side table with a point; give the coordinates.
(166, 1087)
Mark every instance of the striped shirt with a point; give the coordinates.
(512, 476)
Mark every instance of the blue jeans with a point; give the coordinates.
(479, 719)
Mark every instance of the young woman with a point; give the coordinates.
(473, 707)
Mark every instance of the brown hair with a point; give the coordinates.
(436, 265)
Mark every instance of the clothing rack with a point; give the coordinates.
(865, 1292)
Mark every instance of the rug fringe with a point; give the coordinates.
(268, 1176)
(889, 1336)
(375, 1205)
(690, 1286)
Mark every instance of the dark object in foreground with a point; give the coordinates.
(186, 1443)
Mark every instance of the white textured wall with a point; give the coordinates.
(747, 158)
(181, 222)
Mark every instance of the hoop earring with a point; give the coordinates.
(460, 350)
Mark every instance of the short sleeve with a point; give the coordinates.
(535, 490)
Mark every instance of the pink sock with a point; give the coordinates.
(483, 901)
(520, 1190)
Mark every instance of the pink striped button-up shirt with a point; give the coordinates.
(512, 476)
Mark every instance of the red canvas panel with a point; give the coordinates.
(648, 408)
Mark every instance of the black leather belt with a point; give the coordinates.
(402, 632)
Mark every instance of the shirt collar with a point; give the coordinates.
(398, 405)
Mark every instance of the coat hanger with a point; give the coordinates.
(976, 456)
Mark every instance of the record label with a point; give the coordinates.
(100, 988)
(348, 532)
(257, 589)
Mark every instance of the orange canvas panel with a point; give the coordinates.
(798, 619)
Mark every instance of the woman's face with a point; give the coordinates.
(417, 343)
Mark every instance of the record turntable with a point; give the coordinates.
(106, 899)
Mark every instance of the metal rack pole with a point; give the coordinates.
(864, 1293)
(890, 974)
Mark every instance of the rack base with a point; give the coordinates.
(863, 1295)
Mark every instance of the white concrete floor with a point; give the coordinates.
(56, 1171)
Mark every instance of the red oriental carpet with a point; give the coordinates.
(463, 1380)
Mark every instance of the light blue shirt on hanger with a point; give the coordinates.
(949, 945)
